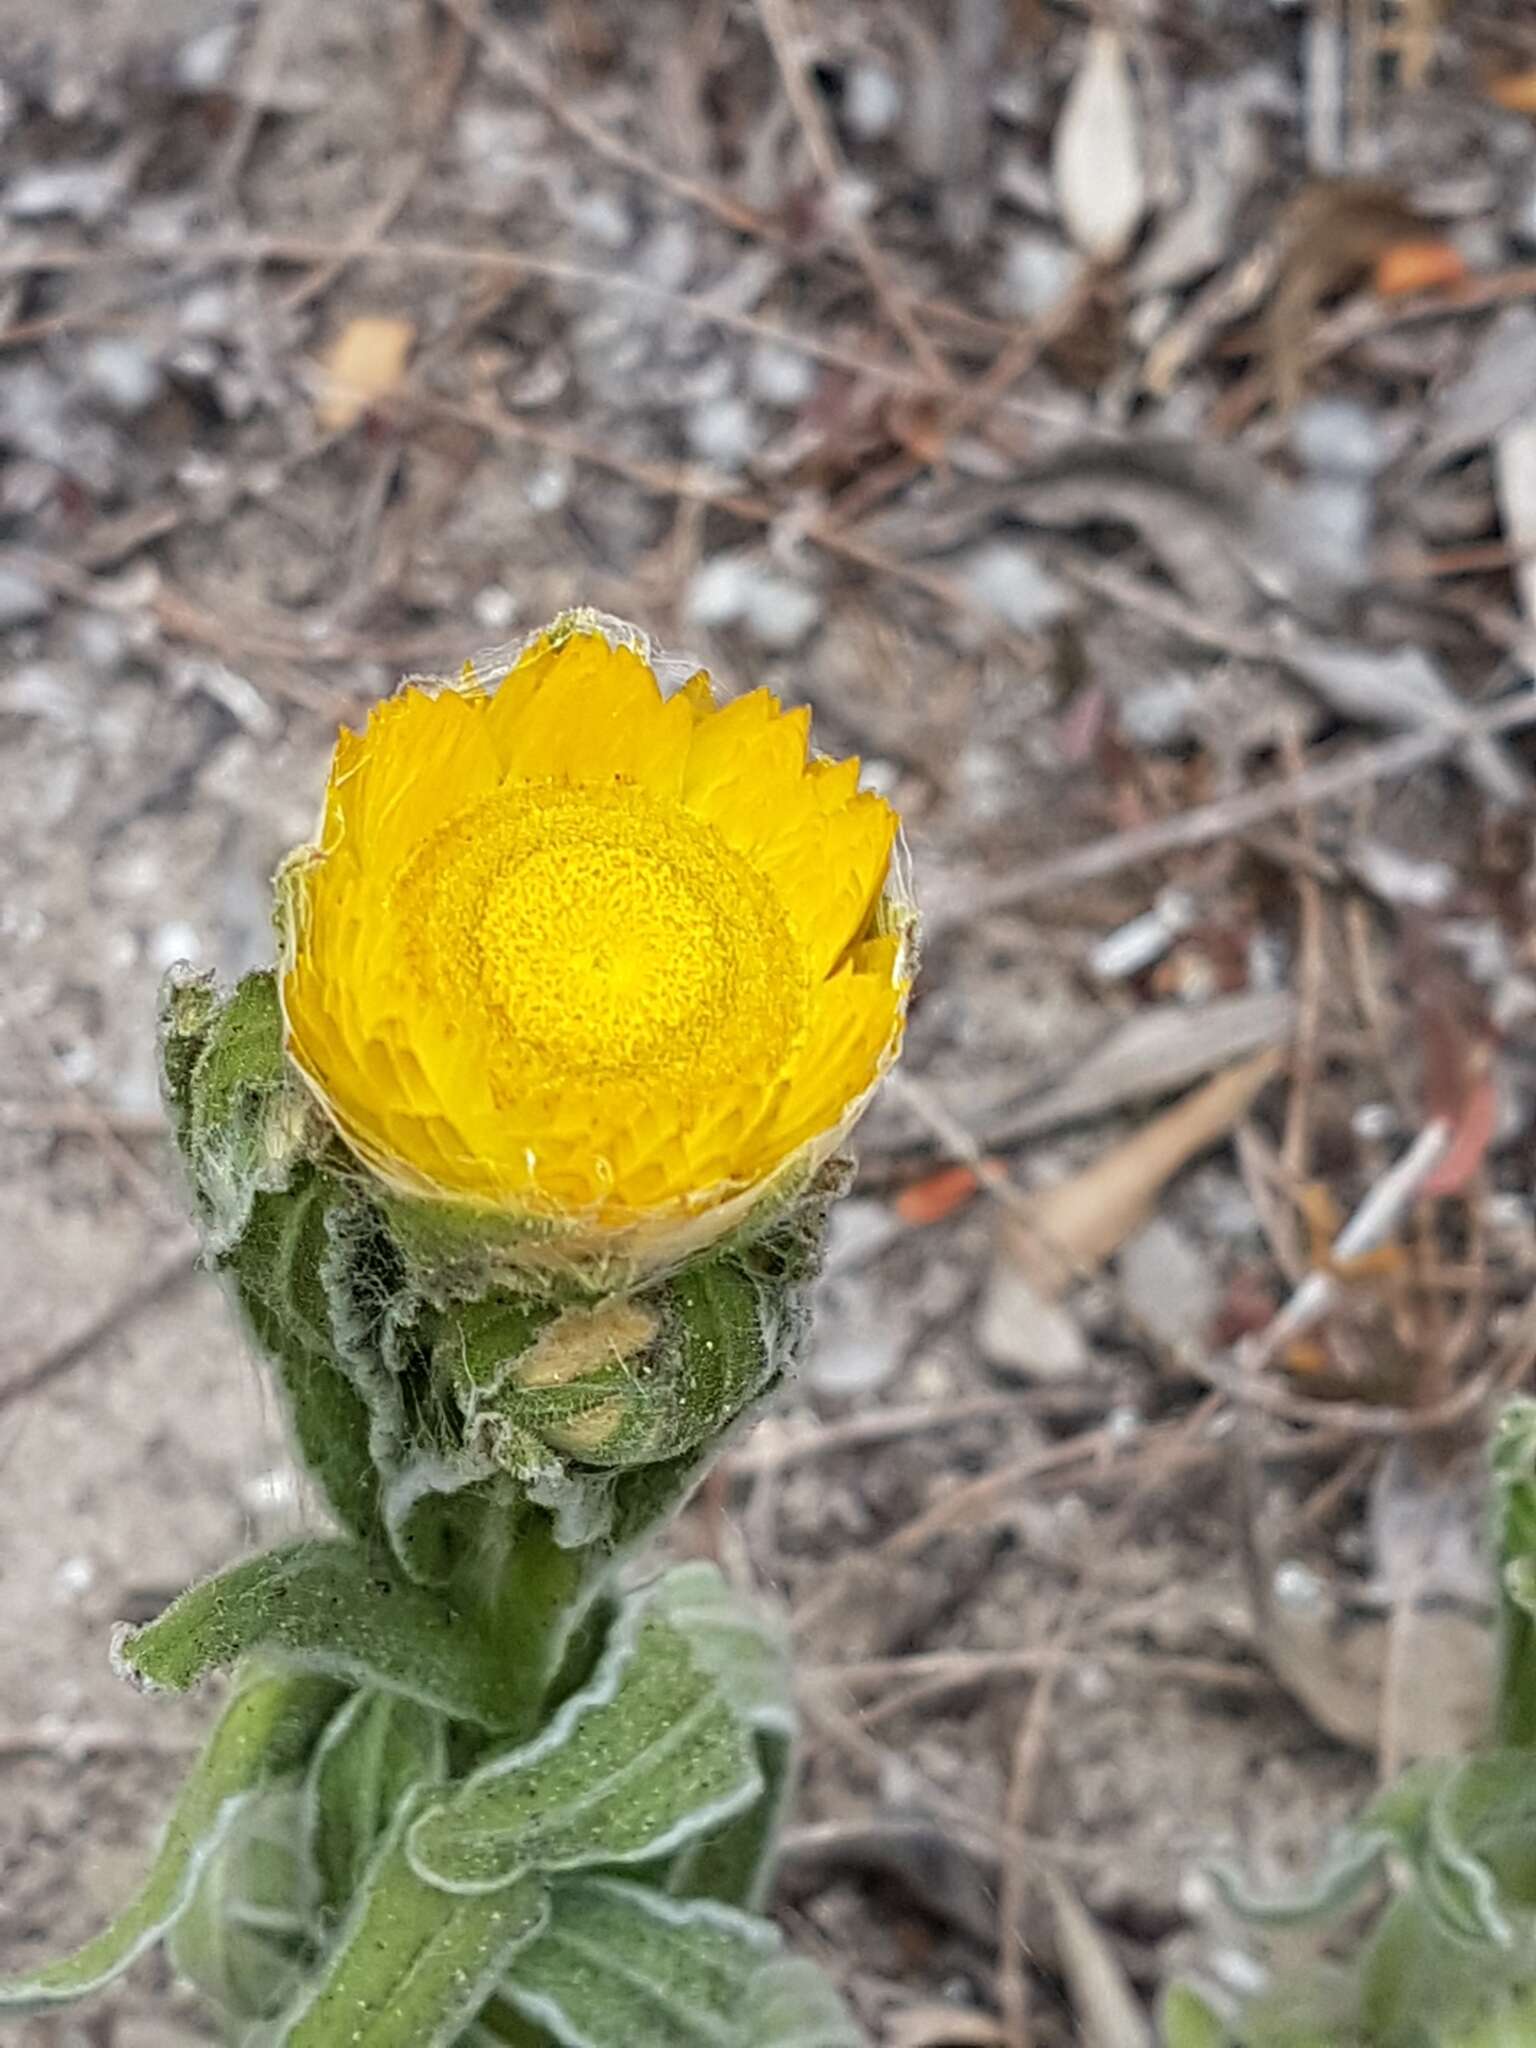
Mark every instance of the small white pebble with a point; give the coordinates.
(872, 101)
(1298, 1587)
(1092, 1683)
(1004, 578)
(1155, 714)
(76, 1575)
(724, 431)
(1338, 437)
(549, 487)
(494, 607)
(1038, 270)
(77, 1064)
(780, 376)
(1375, 1122)
(1144, 939)
(123, 373)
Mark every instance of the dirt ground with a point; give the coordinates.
(1120, 426)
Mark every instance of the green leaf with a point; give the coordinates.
(647, 1755)
(620, 1966)
(267, 1729)
(333, 1608)
(1398, 1817)
(1512, 2025)
(276, 1268)
(1353, 1862)
(789, 2003)
(411, 1965)
(1186, 2020)
(243, 1939)
(241, 1122)
(505, 2029)
(1401, 1810)
(1514, 1495)
(746, 1650)
(1483, 1799)
(1317, 2006)
(189, 1002)
(247, 1115)
(742, 1645)
(1417, 1981)
(377, 1749)
(734, 1861)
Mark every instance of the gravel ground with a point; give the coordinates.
(1126, 441)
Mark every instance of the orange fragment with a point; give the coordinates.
(1408, 267)
(366, 362)
(1516, 90)
(936, 1196)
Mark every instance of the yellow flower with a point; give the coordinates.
(612, 963)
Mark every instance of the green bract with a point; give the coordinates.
(467, 1787)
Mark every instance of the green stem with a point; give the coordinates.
(530, 1594)
(1514, 1546)
(1515, 1697)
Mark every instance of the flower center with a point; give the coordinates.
(605, 935)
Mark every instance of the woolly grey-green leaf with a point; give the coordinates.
(1419, 1986)
(1512, 2024)
(379, 1747)
(620, 1966)
(336, 1609)
(1397, 1818)
(247, 1119)
(1352, 1864)
(276, 1268)
(266, 1730)
(245, 1132)
(1478, 1866)
(411, 1965)
(243, 1938)
(740, 1642)
(648, 1755)
(1465, 1829)
(189, 1002)
(789, 2003)
(745, 1647)
(733, 1862)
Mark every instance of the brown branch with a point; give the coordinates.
(1206, 822)
(827, 161)
(512, 264)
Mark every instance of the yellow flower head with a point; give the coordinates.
(612, 963)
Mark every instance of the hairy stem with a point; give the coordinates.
(529, 1594)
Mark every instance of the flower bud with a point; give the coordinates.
(633, 1380)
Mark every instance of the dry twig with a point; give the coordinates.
(827, 161)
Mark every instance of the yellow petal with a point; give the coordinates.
(422, 756)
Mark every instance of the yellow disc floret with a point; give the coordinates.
(602, 937)
(591, 955)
